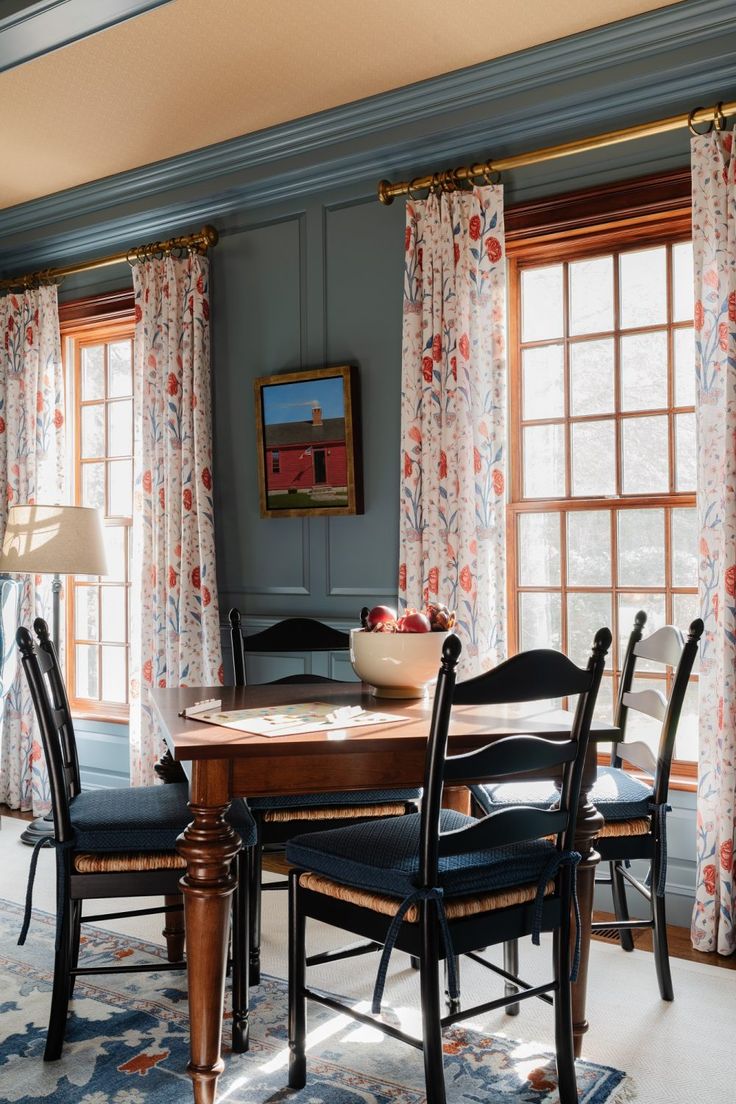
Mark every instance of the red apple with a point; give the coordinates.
(414, 623)
(378, 615)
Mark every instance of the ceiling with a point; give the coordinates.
(188, 74)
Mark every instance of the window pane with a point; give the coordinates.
(113, 613)
(685, 456)
(683, 281)
(85, 613)
(593, 458)
(544, 395)
(591, 295)
(541, 303)
(93, 430)
(589, 548)
(120, 380)
(591, 377)
(684, 343)
(93, 485)
(86, 671)
(686, 741)
(641, 548)
(685, 548)
(604, 706)
(539, 549)
(120, 428)
(93, 372)
(540, 621)
(644, 371)
(544, 461)
(645, 455)
(628, 607)
(643, 277)
(114, 674)
(115, 546)
(685, 608)
(586, 613)
(120, 488)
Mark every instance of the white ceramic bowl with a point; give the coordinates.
(397, 665)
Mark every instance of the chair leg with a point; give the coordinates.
(620, 906)
(297, 982)
(173, 931)
(429, 979)
(564, 1043)
(661, 949)
(60, 993)
(453, 1005)
(241, 960)
(255, 874)
(75, 932)
(511, 965)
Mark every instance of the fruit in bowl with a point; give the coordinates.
(399, 657)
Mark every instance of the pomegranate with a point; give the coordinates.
(414, 623)
(378, 616)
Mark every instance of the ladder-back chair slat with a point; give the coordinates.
(651, 702)
(662, 646)
(511, 755)
(514, 825)
(550, 674)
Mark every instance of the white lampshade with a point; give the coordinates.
(53, 540)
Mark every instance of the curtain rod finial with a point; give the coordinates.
(384, 193)
(210, 236)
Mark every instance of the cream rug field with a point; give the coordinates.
(675, 1052)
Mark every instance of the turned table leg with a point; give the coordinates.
(588, 826)
(209, 845)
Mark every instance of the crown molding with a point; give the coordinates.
(619, 98)
(38, 28)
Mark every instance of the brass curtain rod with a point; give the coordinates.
(451, 179)
(202, 241)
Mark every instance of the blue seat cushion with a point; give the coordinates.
(359, 797)
(383, 855)
(616, 794)
(142, 818)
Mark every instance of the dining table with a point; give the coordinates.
(223, 764)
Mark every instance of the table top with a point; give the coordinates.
(471, 726)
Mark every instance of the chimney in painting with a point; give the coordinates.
(316, 414)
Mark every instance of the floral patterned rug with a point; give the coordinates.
(127, 1042)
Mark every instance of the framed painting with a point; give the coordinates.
(308, 429)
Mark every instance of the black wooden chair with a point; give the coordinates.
(634, 808)
(277, 819)
(440, 884)
(114, 843)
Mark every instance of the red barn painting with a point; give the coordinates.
(307, 442)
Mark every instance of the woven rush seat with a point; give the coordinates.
(116, 862)
(455, 909)
(383, 855)
(324, 812)
(640, 826)
(143, 818)
(353, 801)
(616, 794)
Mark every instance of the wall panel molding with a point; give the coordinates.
(267, 590)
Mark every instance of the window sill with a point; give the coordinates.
(106, 716)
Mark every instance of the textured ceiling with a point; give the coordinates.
(190, 73)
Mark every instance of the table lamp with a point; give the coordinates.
(53, 540)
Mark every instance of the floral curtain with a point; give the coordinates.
(175, 627)
(453, 416)
(32, 470)
(714, 245)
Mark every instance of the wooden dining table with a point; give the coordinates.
(223, 764)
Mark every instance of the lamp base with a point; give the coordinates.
(40, 828)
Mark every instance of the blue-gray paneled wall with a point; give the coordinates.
(309, 271)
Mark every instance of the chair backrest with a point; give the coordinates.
(293, 634)
(528, 676)
(48, 692)
(670, 648)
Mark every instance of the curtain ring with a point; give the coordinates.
(691, 126)
(488, 175)
(458, 182)
(719, 118)
(409, 187)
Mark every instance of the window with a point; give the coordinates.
(275, 462)
(100, 392)
(602, 517)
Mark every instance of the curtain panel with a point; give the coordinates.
(714, 246)
(175, 625)
(32, 470)
(453, 416)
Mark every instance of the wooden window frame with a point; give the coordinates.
(632, 214)
(95, 319)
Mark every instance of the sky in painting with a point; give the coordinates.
(292, 402)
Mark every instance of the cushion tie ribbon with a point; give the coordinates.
(560, 858)
(44, 841)
(659, 815)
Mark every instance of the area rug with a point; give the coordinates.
(127, 1042)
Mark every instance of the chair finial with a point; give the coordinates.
(640, 620)
(364, 617)
(451, 650)
(234, 616)
(696, 630)
(41, 630)
(24, 640)
(602, 643)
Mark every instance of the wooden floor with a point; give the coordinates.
(678, 938)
